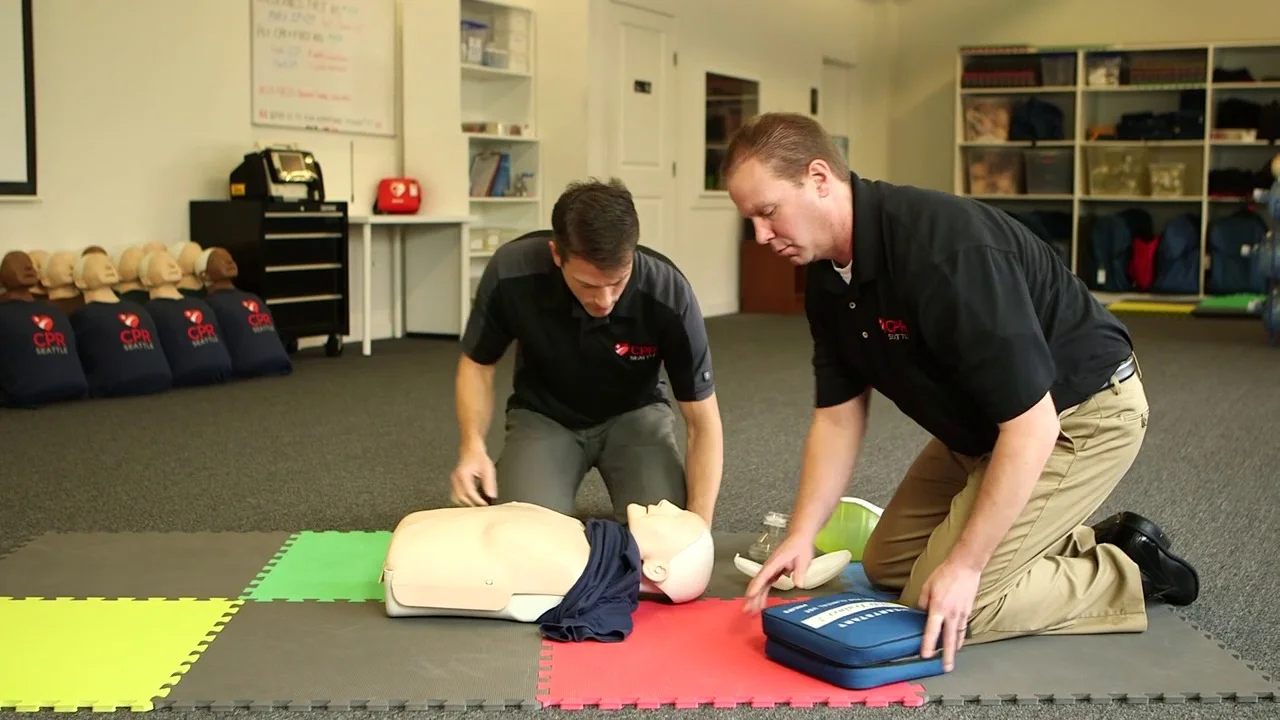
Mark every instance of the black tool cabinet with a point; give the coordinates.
(294, 255)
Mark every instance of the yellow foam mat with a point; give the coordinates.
(1152, 307)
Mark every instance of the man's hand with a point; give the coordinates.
(948, 597)
(791, 557)
(475, 473)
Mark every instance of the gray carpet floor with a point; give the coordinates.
(356, 443)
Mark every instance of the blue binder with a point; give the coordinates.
(852, 640)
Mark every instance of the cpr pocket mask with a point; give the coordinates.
(852, 640)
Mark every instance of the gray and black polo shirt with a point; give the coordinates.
(576, 369)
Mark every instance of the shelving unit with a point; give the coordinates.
(1067, 138)
(499, 111)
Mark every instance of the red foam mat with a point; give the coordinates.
(706, 652)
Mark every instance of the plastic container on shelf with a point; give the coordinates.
(1049, 171)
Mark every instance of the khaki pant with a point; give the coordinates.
(1047, 576)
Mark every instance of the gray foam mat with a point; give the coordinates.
(1172, 662)
(311, 655)
(138, 565)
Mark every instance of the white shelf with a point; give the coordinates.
(1085, 104)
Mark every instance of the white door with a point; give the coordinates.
(642, 110)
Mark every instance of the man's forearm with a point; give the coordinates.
(704, 467)
(830, 454)
(474, 400)
(1017, 462)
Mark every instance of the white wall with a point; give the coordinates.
(781, 45)
(931, 32)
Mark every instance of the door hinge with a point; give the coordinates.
(675, 58)
(673, 169)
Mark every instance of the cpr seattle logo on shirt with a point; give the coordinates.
(258, 321)
(635, 352)
(134, 336)
(46, 340)
(200, 333)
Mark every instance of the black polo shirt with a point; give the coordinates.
(958, 314)
(580, 370)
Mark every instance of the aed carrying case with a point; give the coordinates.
(851, 640)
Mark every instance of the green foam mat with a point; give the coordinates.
(1237, 305)
(100, 654)
(324, 566)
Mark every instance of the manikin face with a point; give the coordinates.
(98, 272)
(794, 220)
(221, 265)
(163, 270)
(61, 265)
(664, 529)
(17, 271)
(128, 265)
(597, 291)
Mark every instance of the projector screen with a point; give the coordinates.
(17, 100)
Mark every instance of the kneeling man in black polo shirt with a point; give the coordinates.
(972, 326)
(596, 317)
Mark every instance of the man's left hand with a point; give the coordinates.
(948, 596)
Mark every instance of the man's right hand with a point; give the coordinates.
(792, 558)
(475, 473)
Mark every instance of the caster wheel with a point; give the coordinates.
(333, 348)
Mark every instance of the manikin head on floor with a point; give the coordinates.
(676, 550)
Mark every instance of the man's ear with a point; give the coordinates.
(554, 254)
(655, 572)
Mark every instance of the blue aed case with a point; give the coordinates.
(852, 640)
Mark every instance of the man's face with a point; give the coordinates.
(597, 291)
(789, 218)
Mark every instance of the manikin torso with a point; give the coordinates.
(513, 561)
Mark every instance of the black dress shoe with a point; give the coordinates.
(1165, 576)
(1107, 529)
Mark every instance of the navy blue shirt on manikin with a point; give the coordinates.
(600, 604)
(188, 330)
(119, 350)
(39, 364)
(250, 333)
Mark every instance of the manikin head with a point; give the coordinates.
(185, 253)
(784, 173)
(154, 246)
(58, 270)
(676, 550)
(127, 264)
(93, 249)
(37, 259)
(94, 271)
(157, 269)
(595, 230)
(18, 275)
(216, 265)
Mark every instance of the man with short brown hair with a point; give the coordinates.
(974, 329)
(596, 318)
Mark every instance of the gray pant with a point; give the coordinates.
(544, 463)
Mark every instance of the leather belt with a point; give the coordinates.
(1125, 371)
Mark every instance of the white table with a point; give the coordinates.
(397, 223)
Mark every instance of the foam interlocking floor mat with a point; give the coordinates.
(295, 620)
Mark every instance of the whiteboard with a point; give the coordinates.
(17, 100)
(325, 65)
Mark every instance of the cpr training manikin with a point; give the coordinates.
(526, 563)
